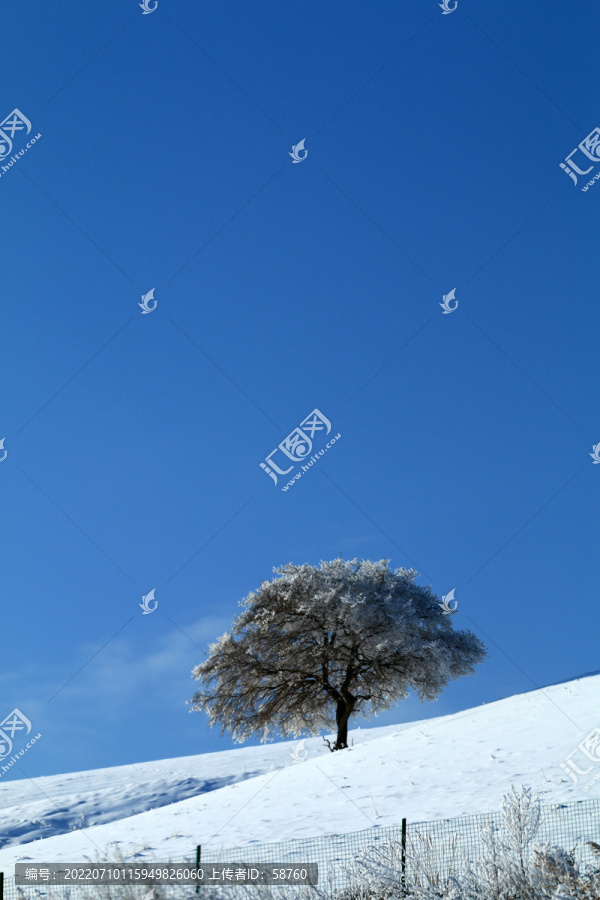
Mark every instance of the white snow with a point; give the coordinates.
(437, 768)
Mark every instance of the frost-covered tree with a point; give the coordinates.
(315, 646)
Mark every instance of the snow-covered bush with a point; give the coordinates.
(510, 866)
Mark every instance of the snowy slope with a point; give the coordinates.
(107, 795)
(447, 766)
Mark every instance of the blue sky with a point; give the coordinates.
(134, 441)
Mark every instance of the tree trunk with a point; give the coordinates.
(342, 715)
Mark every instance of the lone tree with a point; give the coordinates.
(317, 645)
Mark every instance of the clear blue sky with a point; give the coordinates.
(134, 441)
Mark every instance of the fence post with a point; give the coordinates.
(402, 858)
(1, 885)
(198, 854)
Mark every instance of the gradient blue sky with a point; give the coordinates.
(134, 441)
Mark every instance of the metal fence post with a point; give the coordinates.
(1, 885)
(198, 854)
(403, 857)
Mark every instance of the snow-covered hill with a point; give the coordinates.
(436, 768)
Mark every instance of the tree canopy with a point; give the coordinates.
(315, 646)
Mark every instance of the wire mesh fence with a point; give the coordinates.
(570, 826)
(439, 844)
(443, 841)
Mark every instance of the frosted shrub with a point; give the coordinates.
(510, 866)
(377, 873)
